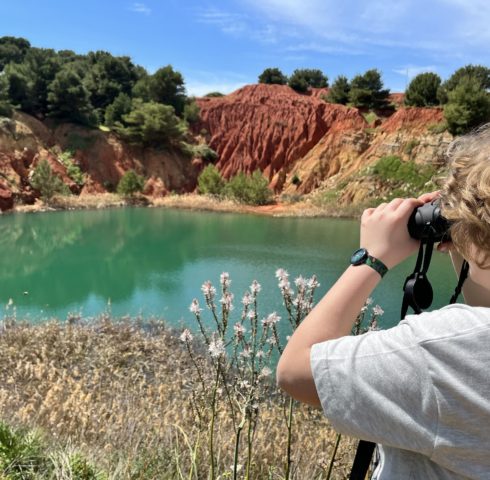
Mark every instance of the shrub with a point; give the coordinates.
(302, 79)
(73, 170)
(210, 181)
(47, 182)
(468, 106)
(477, 72)
(339, 91)
(130, 184)
(295, 180)
(192, 112)
(422, 91)
(151, 124)
(214, 94)
(410, 146)
(252, 190)
(273, 76)
(117, 109)
(394, 170)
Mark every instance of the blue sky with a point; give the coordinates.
(222, 45)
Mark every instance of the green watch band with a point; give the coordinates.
(362, 257)
(378, 265)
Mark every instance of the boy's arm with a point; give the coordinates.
(385, 235)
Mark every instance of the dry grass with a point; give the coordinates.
(120, 393)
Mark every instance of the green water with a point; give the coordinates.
(152, 262)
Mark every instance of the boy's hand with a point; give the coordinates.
(384, 231)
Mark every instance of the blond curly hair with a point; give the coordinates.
(465, 195)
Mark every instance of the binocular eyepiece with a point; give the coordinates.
(427, 222)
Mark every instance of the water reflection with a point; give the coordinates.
(156, 260)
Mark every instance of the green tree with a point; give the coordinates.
(273, 76)
(164, 86)
(339, 91)
(107, 77)
(47, 182)
(68, 98)
(12, 49)
(210, 181)
(130, 184)
(367, 90)
(251, 189)
(422, 90)
(19, 86)
(152, 124)
(478, 72)
(468, 106)
(302, 79)
(5, 106)
(117, 109)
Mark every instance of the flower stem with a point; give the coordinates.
(290, 430)
(211, 427)
(334, 453)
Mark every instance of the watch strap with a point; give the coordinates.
(378, 265)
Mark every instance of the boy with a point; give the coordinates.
(421, 389)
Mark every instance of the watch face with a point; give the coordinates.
(359, 256)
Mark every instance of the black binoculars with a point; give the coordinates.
(427, 222)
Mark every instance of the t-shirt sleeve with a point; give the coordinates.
(377, 387)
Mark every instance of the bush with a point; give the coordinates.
(210, 181)
(252, 190)
(151, 124)
(47, 182)
(367, 90)
(422, 91)
(117, 109)
(339, 92)
(273, 76)
(302, 79)
(130, 184)
(192, 112)
(296, 180)
(214, 95)
(73, 170)
(394, 170)
(468, 106)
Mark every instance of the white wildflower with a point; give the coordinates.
(285, 285)
(364, 309)
(281, 273)
(265, 372)
(247, 299)
(287, 338)
(251, 314)
(239, 330)
(300, 282)
(260, 354)
(244, 384)
(217, 348)
(272, 319)
(224, 279)
(378, 311)
(313, 283)
(245, 352)
(255, 287)
(369, 301)
(272, 341)
(373, 327)
(226, 301)
(208, 289)
(186, 336)
(194, 308)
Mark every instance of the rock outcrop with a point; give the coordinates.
(299, 141)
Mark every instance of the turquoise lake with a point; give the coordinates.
(152, 262)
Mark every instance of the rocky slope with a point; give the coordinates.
(299, 142)
(104, 158)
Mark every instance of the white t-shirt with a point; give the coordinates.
(420, 389)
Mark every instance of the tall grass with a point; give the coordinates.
(136, 400)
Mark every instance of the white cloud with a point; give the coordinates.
(230, 23)
(411, 71)
(140, 8)
(444, 27)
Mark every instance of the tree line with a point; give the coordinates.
(95, 89)
(464, 95)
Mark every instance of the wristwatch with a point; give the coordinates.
(361, 257)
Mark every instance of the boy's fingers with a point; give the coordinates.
(408, 205)
(428, 197)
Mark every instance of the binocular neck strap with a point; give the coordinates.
(463, 274)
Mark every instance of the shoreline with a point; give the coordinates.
(192, 202)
